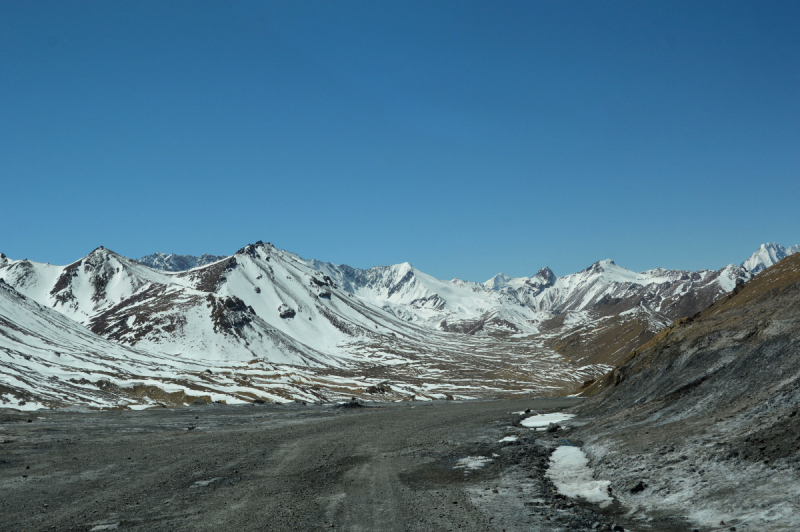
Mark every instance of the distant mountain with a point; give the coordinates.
(268, 309)
(265, 324)
(177, 263)
(766, 256)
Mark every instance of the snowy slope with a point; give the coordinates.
(766, 256)
(48, 359)
(84, 288)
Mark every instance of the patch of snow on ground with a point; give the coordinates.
(508, 438)
(203, 483)
(570, 472)
(112, 526)
(473, 462)
(543, 420)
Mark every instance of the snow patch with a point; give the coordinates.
(543, 420)
(570, 472)
(112, 526)
(203, 483)
(471, 463)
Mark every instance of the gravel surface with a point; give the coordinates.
(401, 466)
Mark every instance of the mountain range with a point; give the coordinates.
(266, 323)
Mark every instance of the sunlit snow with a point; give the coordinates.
(543, 420)
(570, 472)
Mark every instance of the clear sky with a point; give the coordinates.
(464, 137)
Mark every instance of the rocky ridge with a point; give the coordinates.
(176, 263)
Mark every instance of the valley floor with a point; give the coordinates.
(397, 466)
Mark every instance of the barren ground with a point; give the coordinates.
(290, 467)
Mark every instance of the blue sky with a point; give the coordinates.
(464, 137)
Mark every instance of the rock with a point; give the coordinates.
(286, 312)
(257, 289)
(617, 528)
(199, 402)
(638, 488)
(449, 397)
(259, 401)
(527, 410)
(595, 525)
(553, 427)
(353, 403)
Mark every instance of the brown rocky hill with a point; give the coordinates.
(706, 415)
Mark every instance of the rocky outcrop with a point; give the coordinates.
(176, 263)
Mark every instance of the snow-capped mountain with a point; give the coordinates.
(267, 309)
(257, 303)
(264, 325)
(176, 263)
(766, 256)
(519, 305)
(48, 360)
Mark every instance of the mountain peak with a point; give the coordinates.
(546, 275)
(101, 252)
(405, 267)
(601, 266)
(767, 255)
(498, 282)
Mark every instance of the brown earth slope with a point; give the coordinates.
(705, 415)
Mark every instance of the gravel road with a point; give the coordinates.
(285, 467)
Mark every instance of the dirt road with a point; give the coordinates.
(272, 467)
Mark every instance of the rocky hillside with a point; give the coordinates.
(704, 418)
